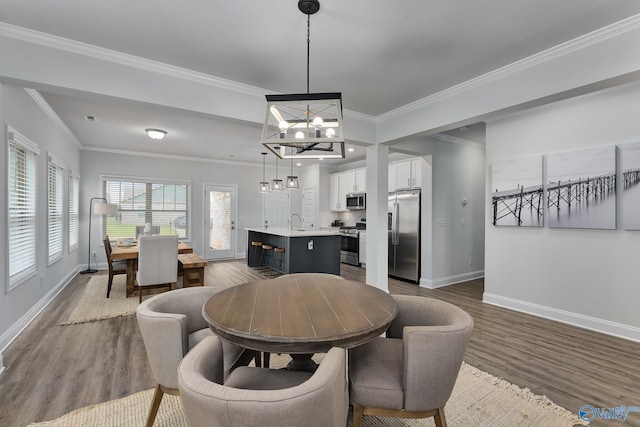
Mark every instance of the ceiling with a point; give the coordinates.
(381, 55)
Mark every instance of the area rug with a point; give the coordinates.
(478, 399)
(94, 305)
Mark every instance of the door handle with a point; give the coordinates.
(396, 224)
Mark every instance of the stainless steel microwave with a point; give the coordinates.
(356, 201)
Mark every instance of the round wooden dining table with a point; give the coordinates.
(300, 315)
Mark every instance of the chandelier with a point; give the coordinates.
(305, 126)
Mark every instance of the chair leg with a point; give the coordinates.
(109, 285)
(439, 418)
(357, 415)
(139, 294)
(266, 358)
(155, 405)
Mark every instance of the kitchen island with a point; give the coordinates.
(305, 251)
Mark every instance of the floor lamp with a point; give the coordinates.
(101, 209)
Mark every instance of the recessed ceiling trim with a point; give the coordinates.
(597, 36)
(44, 106)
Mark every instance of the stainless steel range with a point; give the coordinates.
(350, 243)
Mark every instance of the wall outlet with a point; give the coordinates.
(310, 245)
(470, 261)
(95, 254)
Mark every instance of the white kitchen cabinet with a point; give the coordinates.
(405, 175)
(416, 173)
(347, 182)
(360, 180)
(343, 183)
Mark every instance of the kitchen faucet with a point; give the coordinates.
(291, 220)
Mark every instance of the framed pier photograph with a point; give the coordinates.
(630, 187)
(516, 192)
(581, 189)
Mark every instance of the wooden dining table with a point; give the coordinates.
(300, 315)
(129, 253)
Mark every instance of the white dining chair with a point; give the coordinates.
(157, 262)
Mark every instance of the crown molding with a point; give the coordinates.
(44, 106)
(170, 156)
(589, 39)
(85, 49)
(456, 140)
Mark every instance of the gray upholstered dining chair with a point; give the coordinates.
(157, 262)
(115, 267)
(171, 324)
(411, 372)
(260, 396)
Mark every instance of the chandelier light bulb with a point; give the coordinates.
(299, 135)
(318, 122)
(330, 133)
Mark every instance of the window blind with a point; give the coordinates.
(74, 211)
(55, 209)
(21, 196)
(140, 201)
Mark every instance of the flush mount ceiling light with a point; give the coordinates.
(155, 133)
(305, 126)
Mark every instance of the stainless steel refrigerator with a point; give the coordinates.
(404, 234)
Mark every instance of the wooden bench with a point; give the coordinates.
(192, 267)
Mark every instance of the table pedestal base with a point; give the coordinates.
(302, 362)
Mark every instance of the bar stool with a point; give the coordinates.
(266, 257)
(255, 245)
(278, 258)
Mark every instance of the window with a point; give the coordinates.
(21, 196)
(74, 211)
(140, 201)
(55, 209)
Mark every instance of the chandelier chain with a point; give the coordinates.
(308, 47)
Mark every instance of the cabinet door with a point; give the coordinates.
(403, 175)
(334, 192)
(416, 173)
(361, 180)
(348, 182)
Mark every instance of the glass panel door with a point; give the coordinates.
(220, 221)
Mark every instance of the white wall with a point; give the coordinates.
(585, 277)
(19, 306)
(457, 173)
(246, 177)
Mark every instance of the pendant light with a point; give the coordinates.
(305, 126)
(276, 184)
(292, 181)
(264, 185)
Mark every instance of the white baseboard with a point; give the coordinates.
(450, 280)
(592, 323)
(15, 330)
(241, 255)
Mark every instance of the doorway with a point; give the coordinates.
(220, 234)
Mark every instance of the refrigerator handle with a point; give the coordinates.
(396, 223)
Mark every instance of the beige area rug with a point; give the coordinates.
(94, 304)
(478, 400)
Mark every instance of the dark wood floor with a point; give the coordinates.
(52, 369)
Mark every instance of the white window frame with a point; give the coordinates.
(148, 213)
(74, 211)
(24, 250)
(55, 209)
